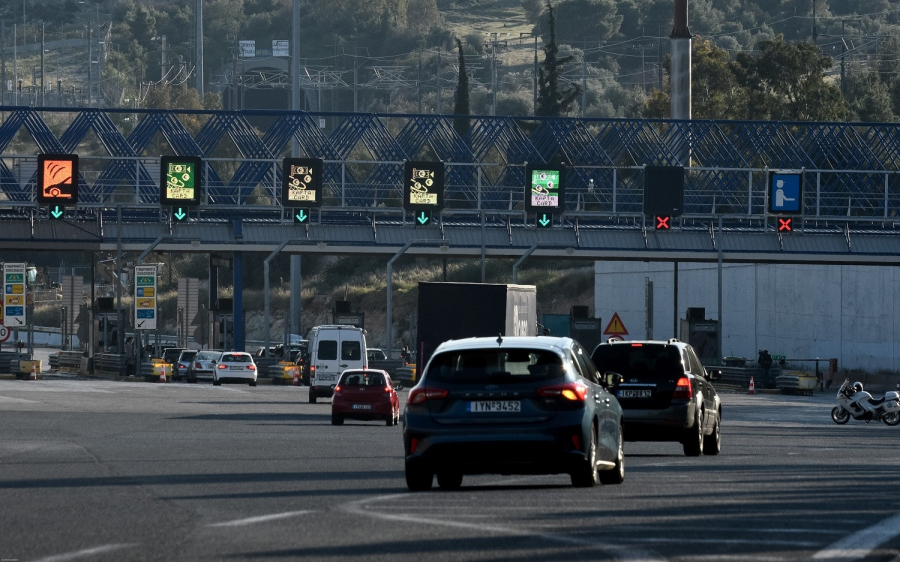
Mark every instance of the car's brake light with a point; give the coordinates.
(312, 371)
(337, 390)
(387, 389)
(418, 394)
(683, 388)
(222, 366)
(575, 391)
(197, 365)
(251, 367)
(637, 345)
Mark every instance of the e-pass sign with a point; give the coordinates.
(14, 294)
(145, 297)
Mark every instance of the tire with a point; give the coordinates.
(712, 443)
(418, 479)
(337, 420)
(312, 395)
(586, 474)
(216, 381)
(617, 474)
(252, 383)
(693, 441)
(449, 480)
(840, 415)
(389, 420)
(891, 418)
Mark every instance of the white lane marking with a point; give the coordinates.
(720, 541)
(259, 519)
(861, 543)
(620, 552)
(10, 400)
(86, 552)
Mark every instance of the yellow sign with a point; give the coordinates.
(15, 289)
(13, 299)
(615, 326)
(146, 303)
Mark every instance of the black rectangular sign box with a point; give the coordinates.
(663, 191)
(423, 186)
(57, 179)
(301, 182)
(180, 181)
(545, 188)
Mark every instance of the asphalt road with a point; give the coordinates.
(103, 470)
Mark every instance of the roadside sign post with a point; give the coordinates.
(144, 308)
(14, 295)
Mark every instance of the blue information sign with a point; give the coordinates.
(785, 192)
(146, 313)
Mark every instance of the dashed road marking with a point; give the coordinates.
(87, 552)
(861, 543)
(260, 519)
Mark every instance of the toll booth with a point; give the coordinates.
(583, 329)
(703, 334)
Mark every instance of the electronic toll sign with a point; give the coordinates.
(180, 184)
(57, 182)
(301, 186)
(423, 189)
(544, 188)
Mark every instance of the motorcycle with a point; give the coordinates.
(854, 402)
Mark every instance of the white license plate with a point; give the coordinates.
(362, 406)
(635, 394)
(325, 377)
(495, 406)
(233, 368)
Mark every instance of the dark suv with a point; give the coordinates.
(518, 405)
(666, 393)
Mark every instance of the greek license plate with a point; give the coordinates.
(236, 368)
(634, 393)
(325, 377)
(362, 406)
(495, 406)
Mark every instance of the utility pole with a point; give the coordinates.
(815, 31)
(438, 79)
(200, 91)
(493, 44)
(43, 89)
(90, 83)
(534, 95)
(843, 54)
(419, 84)
(583, 80)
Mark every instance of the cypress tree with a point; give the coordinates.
(552, 102)
(461, 105)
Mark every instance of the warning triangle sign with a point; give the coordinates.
(615, 327)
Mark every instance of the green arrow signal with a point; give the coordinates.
(544, 221)
(423, 218)
(180, 214)
(56, 212)
(301, 216)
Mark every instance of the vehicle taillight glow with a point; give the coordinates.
(312, 371)
(387, 389)
(197, 365)
(418, 395)
(637, 345)
(251, 367)
(574, 391)
(683, 388)
(413, 443)
(337, 390)
(222, 366)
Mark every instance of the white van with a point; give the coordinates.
(333, 350)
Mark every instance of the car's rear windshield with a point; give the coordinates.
(359, 378)
(207, 356)
(236, 358)
(495, 366)
(653, 360)
(187, 355)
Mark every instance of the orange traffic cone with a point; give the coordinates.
(752, 387)
(296, 376)
(162, 374)
(33, 376)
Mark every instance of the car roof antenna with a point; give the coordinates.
(499, 339)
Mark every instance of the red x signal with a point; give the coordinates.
(662, 223)
(785, 225)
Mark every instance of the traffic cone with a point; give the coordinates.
(296, 376)
(752, 387)
(33, 376)
(162, 374)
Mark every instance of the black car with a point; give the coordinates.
(666, 393)
(518, 405)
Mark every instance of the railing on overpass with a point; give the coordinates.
(849, 169)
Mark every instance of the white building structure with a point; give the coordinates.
(799, 311)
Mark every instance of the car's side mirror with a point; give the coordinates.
(611, 379)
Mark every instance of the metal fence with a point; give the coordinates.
(849, 170)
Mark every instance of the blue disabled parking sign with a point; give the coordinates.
(785, 192)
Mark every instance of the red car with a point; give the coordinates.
(365, 394)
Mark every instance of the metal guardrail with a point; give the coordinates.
(110, 363)
(70, 360)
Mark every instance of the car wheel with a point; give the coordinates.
(418, 479)
(216, 381)
(712, 443)
(586, 475)
(192, 380)
(252, 383)
(389, 420)
(693, 441)
(312, 395)
(449, 479)
(337, 420)
(617, 474)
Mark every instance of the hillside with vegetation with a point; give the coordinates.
(388, 52)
